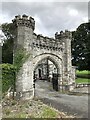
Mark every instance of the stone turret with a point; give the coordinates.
(24, 30)
(65, 38)
(61, 35)
(24, 20)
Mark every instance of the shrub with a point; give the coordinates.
(8, 76)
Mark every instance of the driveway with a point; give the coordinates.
(70, 104)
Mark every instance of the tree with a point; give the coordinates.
(81, 47)
(7, 48)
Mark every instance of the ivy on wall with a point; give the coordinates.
(20, 57)
(9, 70)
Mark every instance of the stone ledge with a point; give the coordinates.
(82, 85)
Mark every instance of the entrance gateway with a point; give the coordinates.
(39, 50)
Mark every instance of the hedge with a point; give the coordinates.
(9, 70)
(8, 76)
(83, 74)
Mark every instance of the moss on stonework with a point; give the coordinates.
(20, 57)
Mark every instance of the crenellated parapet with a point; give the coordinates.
(24, 20)
(42, 42)
(62, 35)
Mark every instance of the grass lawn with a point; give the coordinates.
(85, 72)
(82, 80)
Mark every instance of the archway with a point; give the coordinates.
(46, 73)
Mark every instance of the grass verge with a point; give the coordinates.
(85, 72)
(82, 80)
(30, 109)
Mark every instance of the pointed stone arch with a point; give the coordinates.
(25, 79)
(57, 61)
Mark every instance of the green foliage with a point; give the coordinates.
(8, 76)
(49, 113)
(20, 57)
(82, 80)
(9, 30)
(7, 48)
(7, 52)
(81, 47)
(7, 112)
(83, 74)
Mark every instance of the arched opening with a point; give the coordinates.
(27, 77)
(47, 70)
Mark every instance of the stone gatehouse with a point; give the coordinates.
(56, 51)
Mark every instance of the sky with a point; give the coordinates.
(50, 16)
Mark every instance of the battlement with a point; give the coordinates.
(39, 41)
(42, 42)
(24, 20)
(61, 35)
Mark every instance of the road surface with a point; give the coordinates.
(70, 104)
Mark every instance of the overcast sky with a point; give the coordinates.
(50, 17)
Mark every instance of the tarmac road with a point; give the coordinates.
(71, 104)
